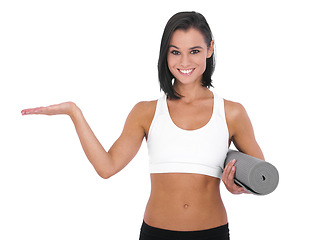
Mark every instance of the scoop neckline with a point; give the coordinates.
(191, 130)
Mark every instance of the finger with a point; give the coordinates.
(230, 181)
(241, 190)
(230, 177)
(226, 171)
(236, 189)
(228, 167)
(50, 110)
(62, 108)
(31, 111)
(40, 110)
(231, 174)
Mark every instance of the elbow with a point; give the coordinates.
(106, 171)
(105, 174)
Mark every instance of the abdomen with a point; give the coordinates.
(185, 202)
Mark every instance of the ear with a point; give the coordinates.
(210, 49)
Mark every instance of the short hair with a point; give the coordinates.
(184, 21)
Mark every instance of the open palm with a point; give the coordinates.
(62, 108)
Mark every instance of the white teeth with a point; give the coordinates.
(186, 71)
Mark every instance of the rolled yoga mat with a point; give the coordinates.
(254, 175)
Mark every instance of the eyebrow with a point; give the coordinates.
(189, 48)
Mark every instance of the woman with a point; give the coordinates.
(188, 133)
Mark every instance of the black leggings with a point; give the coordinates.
(153, 233)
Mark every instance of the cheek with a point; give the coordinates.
(202, 62)
(170, 61)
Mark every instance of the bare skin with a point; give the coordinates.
(190, 202)
(178, 201)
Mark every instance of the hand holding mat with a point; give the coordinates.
(254, 175)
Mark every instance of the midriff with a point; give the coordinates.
(185, 202)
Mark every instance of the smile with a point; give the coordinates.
(186, 71)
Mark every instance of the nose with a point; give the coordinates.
(184, 61)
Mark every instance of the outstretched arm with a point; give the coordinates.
(120, 154)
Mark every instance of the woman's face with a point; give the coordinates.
(187, 55)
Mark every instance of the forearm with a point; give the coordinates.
(122, 151)
(96, 154)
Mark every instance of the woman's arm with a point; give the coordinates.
(241, 130)
(242, 135)
(120, 154)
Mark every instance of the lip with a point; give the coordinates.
(186, 72)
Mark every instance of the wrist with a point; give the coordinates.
(74, 111)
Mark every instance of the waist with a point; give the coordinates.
(221, 232)
(186, 167)
(185, 202)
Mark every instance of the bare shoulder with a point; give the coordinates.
(236, 116)
(241, 130)
(145, 108)
(234, 110)
(143, 113)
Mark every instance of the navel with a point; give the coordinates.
(186, 206)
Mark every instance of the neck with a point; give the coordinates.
(190, 92)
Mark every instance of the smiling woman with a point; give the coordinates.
(187, 56)
(188, 132)
(175, 36)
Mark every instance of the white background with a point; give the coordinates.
(103, 56)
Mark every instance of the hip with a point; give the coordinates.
(152, 233)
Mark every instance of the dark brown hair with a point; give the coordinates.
(184, 21)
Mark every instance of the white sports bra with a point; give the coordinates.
(175, 150)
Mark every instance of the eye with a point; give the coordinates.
(194, 51)
(175, 52)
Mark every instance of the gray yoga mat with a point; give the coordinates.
(254, 175)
